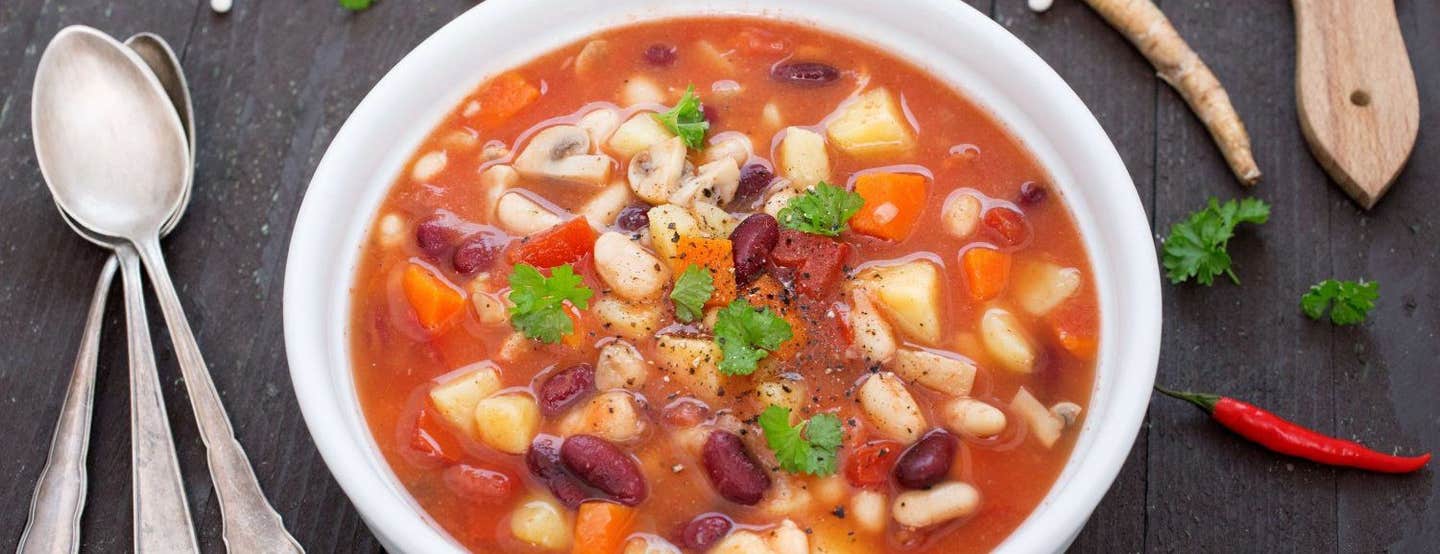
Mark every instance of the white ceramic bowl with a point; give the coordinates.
(946, 37)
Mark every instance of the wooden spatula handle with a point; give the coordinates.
(1359, 108)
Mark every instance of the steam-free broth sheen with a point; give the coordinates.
(922, 373)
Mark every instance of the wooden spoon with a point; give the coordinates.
(1359, 108)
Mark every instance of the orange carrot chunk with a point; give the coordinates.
(601, 527)
(434, 300)
(504, 97)
(713, 255)
(893, 203)
(987, 272)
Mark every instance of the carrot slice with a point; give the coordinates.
(434, 300)
(601, 527)
(562, 244)
(893, 203)
(1075, 330)
(504, 97)
(714, 255)
(987, 272)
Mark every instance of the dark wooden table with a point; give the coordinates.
(273, 81)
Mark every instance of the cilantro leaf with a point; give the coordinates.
(539, 311)
(356, 5)
(1349, 301)
(1196, 246)
(808, 447)
(746, 335)
(691, 291)
(687, 120)
(823, 210)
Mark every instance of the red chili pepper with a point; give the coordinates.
(1279, 435)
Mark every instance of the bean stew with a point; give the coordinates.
(723, 285)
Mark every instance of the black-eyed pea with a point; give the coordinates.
(938, 504)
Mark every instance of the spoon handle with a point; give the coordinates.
(250, 523)
(162, 518)
(54, 526)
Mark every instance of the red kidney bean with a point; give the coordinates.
(805, 74)
(633, 218)
(927, 462)
(751, 243)
(661, 54)
(543, 460)
(435, 235)
(754, 179)
(732, 471)
(705, 530)
(604, 466)
(478, 483)
(478, 252)
(1032, 193)
(565, 388)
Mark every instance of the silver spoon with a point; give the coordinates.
(54, 525)
(126, 191)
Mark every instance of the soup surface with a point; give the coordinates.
(821, 302)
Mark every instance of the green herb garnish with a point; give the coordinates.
(1349, 301)
(808, 447)
(746, 335)
(823, 210)
(691, 291)
(538, 311)
(356, 5)
(1196, 246)
(687, 120)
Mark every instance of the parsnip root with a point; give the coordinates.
(1151, 32)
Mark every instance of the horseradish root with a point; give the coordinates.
(1150, 31)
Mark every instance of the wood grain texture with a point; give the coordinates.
(1359, 107)
(273, 81)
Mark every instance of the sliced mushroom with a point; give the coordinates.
(522, 216)
(494, 181)
(713, 183)
(563, 152)
(655, 172)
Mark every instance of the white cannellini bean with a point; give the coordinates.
(639, 89)
(649, 544)
(889, 407)
(787, 394)
(961, 214)
(868, 509)
(951, 376)
(522, 216)
(770, 117)
(490, 308)
(613, 415)
(939, 504)
(786, 494)
(632, 272)
(831, 490)
(620, 366)
(735, 146)
(1006, 340)
(968, 416)
(787, 538)
(741, 542)
(429, 165)
(874, 340)
(779, 199)
(602, 209)
(392, 230)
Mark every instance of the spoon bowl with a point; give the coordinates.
(90, 89)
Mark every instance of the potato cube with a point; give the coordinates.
(623, 319)
(803, 158)
(638, 133)
(909, 293)
(1041, 286)
(872, 125)
(1006, 340)
(541, 523)
(1044, 425)
(507, 422)
(693, 363)
(455, 398)
(668, 223)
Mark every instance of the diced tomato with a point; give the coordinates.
(893, 203)
(1008, 224)
(1074, 329)
(434, 300)
(751, 41)
(479, 484)
(562, 244)
(819, 262)
(987, 272)
(426, 445)
(868, 465)
(504, 97)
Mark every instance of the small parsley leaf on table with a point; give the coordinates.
(1196, 247)
(687, 120)
(356, 5)
(1349, 301)
(808, 447)
(823, 210)
(539, 311)
(691, 291)
(746, 335)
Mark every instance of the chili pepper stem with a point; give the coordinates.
(1206, 402)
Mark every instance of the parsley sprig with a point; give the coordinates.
(823, 210)
(691, 291)
(808, 447)
(1196, 246)
(746, 335)
(687, 120)
(538, 311)
(1349, 301)
(356, 5)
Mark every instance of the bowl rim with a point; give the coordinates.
(1121, 253)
